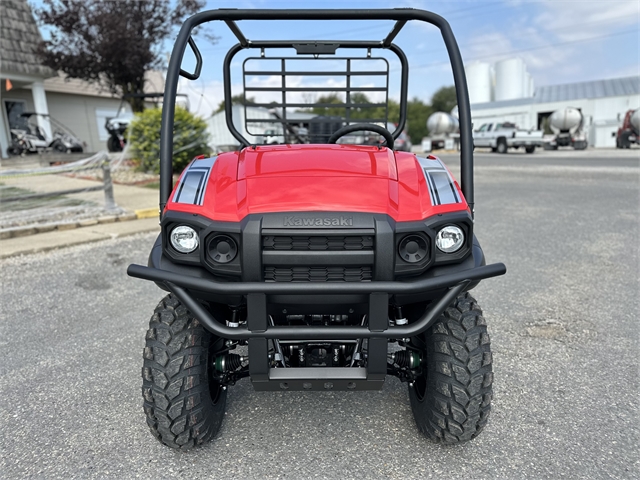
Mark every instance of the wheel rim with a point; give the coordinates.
(420, 387)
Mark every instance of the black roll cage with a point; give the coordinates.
(229, 16)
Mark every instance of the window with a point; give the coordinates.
(15, 109)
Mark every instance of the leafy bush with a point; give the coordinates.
(190, 138)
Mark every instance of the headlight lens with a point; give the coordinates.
(184, 239)
(450, 239)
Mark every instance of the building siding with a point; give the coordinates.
(78, 113)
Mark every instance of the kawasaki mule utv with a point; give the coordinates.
(331, 264)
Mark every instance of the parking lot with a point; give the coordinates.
(563, 321)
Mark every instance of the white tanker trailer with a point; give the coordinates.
(442, 127)
(629, 132)
(566, 124)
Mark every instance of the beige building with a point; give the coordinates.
(27, 86)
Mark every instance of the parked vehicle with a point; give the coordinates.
(442, 127)
(272, 137)
(500, 137)
(567, 124)
(30, 138)
(629, 131)
(117, 126)
(403, 143)
(317, 258)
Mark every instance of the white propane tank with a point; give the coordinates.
(454, 112)
(635, 119)
(479, 82)
(510, 79)
(440, 123)
(567, 119)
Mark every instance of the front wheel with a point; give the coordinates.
(530, 149)
(15, 150)
(451, 397)
(501, 147)
(113, 144)
(59, 147)
(183, 402)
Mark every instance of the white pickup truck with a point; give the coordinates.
(502, 136)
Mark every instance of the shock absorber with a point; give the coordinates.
(406, 358)
(229, 362)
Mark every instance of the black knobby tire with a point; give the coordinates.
(15, 150)
(113, 144)
(451, 400)
(183, 404)
(529, 149)
(501, 147)
(59, 147)
(625, 141)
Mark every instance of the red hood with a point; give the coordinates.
(317, 161)
(290, 178)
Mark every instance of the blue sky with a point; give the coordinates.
(561, 41)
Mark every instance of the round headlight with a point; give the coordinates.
(184, 239)
(450, 239)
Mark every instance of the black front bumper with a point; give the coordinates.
(436, 288)
(258, 331)
(256, 294)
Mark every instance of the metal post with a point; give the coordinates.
(109, 201)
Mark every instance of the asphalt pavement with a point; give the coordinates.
(564, 326)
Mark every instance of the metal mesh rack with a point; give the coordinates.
(302, 79)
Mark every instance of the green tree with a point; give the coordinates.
(113, 43)
(190, 139)
(328, 111)
(444, 99)
(417, 114)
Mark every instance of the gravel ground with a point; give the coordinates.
(65, 209)
(564, 332)
(122, 172)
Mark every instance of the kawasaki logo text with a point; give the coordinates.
(318, 222)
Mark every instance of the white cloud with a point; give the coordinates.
(570, 21)
(554, 41)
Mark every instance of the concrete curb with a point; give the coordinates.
(55, 239)
(48, 227)
(147, 213)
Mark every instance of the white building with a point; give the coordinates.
(603, 104)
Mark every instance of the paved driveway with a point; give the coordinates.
(564, 325)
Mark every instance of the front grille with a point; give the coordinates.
(317, 274)
(317, 243)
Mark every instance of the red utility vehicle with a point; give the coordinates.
(318, 266)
